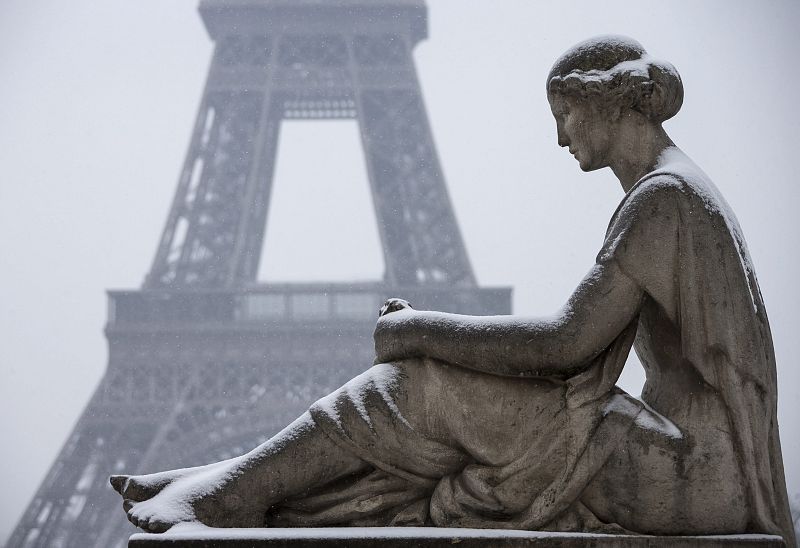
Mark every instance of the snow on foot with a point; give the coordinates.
(159, 513)
(139, 488)
(207, 494)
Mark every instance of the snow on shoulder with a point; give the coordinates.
(673, 162)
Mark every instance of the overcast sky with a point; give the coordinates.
(97, 103)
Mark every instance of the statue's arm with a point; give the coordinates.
(604, 303)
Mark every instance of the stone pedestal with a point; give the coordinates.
(425, 537)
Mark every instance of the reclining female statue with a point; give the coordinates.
(516, 422)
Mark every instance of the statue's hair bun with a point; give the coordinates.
(618, 71)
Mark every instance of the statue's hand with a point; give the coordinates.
(391, 337)
(393, 305)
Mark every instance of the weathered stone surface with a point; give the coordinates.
(428, 537)
(516, 421)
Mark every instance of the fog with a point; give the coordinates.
(97, 104)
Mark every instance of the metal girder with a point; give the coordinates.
(216, 226)
(203, 363)
(422, 243)
(170, 401)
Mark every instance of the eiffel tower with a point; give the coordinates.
(205, 362)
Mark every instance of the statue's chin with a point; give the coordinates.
(587, 165)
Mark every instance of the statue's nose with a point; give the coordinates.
(563, 141)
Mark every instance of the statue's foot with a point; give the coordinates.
(208, 494)
(139, 488)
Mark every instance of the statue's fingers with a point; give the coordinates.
(400, 304)
(127, 504)
(394, 304)
(386, 308)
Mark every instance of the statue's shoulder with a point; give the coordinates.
(655, 193)
(679, 179)
(658, 185)
(662, 198)
(676, 193)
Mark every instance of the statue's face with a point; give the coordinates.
(584, 128)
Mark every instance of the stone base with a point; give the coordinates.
(193, 536)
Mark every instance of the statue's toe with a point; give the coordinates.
(155, 525)
(137, 488)
(118, 483)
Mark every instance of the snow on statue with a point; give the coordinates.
(516, 422)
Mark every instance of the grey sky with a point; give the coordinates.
(98, 99)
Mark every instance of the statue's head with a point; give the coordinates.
(601, 81)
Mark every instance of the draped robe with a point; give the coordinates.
(454, 447)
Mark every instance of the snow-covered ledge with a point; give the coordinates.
(196, 536)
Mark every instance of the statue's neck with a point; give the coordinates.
(637, 151)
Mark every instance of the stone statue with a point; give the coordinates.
(516, 422)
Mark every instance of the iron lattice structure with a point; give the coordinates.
(204, 362)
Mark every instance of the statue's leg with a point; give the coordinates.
(237, 492)
(417, 418)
